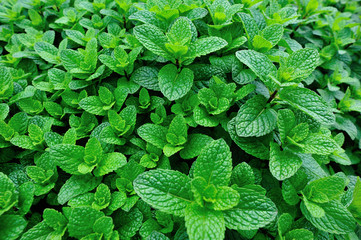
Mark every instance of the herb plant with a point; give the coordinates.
(180, 119)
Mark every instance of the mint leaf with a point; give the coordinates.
(11, 226)
(6, 83)
(355, 206)
(203, 223)
(166, 190)
(214, 163)
(336, 220)
(204, 46)
(81, 221)
(308, 102)
(325, 189)
(255, 119)
(283, 164)
(252, 203)
(77, 185)
(174, 84)
(258, 63)
(153, 39)
(153, 134)
(146, 77)
(301, 64)
(67, 157)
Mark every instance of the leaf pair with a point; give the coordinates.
(207, 202)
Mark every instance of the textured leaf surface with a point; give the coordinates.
(214, 163)
(308, 102)
(258, 147)
(195, 143)
(152, 38)
(175, 85)
(254, 119)
(77, 185)
(303, 62)
(67, 157)
(146, 77)
(11, 226)
(81, 221)
(204, 46)
(283, 164)
(336, 219)
(204, 223)
(153, 134)
(253, 211)
(257, 62)
(166, 190)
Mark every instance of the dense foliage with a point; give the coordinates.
(180, 119)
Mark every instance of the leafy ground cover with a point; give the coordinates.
(180, 119)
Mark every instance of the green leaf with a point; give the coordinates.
(146, 77)
(81, 221)
(253, 211)
(261, 44)
(180, 32)
(109, 163)
(204, 223)
(255, 119)
(336, 220)
(258, 147)
(194, 146)
(285, 121)
(4, 110)
(301, 234)
(226, 198)
(26, 197)
(250, 26)
(301, 64)
(165, 190)
(39, 231)
(204, 46)
(175, 85)
(6, 83)
(157, 236)
(77, 185)
(47, 52)
(284, 223)
(101, 197)
(130, 223)
(325, 189)
(258, 63)
(7, 193)
(355, 206)
(67, 157)
(320, 144)
(273, 33)
(153, 39)
(283, 164)
(308, 102)
(153, 134)
(93, 105)
(104, 225)
(11, 226)
(242, 175)
(214, 164)
(54, 219)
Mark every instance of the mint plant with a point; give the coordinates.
(182, 119)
